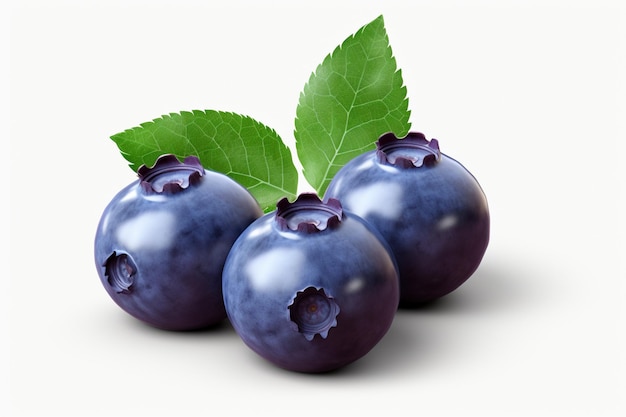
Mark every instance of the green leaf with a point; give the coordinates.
(240, 147)
(353, 97)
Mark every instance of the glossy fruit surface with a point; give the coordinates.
(162, 241)
(310, 287)
(427, 206)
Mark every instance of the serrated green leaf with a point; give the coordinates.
(353, 97)
(240, 147)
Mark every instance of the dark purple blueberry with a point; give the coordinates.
(162, 241)
(427, 206)
(310, 287)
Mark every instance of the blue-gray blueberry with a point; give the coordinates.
(162, 241)
(310, 287)
(427, 206)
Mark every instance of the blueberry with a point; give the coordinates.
(161, 243)
(310, 287)
(427, 206)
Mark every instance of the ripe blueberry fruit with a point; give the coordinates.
(162, 241)
(427, 206)
(310, 287)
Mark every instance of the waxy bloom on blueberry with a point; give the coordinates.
(162, 241)
(310, 287)
(427, 206)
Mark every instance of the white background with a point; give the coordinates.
(529, 96)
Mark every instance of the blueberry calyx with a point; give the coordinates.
(314, 312)
(412, 151)
(308, 214)
(169, 175)
(120, 271)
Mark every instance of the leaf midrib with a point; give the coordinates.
(346, 130)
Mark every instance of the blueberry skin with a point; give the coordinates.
(426, 205)
(346, 266)
(160, 254)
